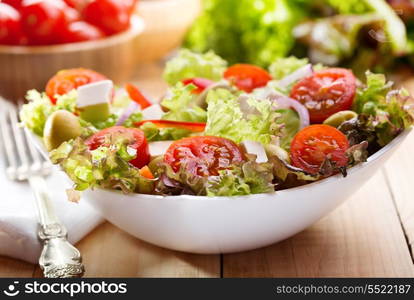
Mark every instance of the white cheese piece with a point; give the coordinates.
(153, 112)
(256, 148)
(94, 93)
(159, 148)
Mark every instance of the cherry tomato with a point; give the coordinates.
(43, 20)
(15, 3)
(111, 16)
(10, 29)
(66, 80)
(325, 92)
(247, 77)
(81, 31)
(200, 83)
(314, 144)
(203, 155)
(139, 143)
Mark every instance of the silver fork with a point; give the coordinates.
(59, 259)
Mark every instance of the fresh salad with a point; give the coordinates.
(219, 130)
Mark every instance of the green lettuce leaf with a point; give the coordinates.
(290, 122)
(105, 167)
(189, 64)
(240, 118)
(285, 66)
(247, 31)
(180, 105)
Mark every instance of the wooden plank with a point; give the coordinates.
(10, 267)
(363, 238)
(110, 252)
(399, 172)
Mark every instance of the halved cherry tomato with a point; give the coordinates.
(316, 143)
(203, 155)
(111, 16)
(81, 31)
(10, 29)
(325, 92)
(136, 95)
(192, 126)
(139, 142)
(66, 80)
(200, 83)
(247, 77)
(146, 172)
(43, 20)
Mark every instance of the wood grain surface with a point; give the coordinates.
(370, 235)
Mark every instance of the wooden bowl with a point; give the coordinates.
(24, 68)
(166, 23)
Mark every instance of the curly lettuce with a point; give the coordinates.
(245, 178)
(247, 31)
(181, 106)
(240, 118)
(188, 64)
(39, 107)
(106, 166)
(383, 110)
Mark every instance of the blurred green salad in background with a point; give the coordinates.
(360, 34)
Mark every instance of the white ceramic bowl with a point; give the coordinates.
(231, 224)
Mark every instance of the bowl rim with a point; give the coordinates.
(136, 28)
(395, 142)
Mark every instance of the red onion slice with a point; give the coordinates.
(129, 110)
(287, 102)
(300, 73)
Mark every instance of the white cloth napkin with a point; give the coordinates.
(18, 217)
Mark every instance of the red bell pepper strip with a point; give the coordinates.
(136, 95)
(191, 126)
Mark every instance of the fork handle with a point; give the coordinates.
(59, 259)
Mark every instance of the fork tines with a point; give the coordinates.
(21, 156)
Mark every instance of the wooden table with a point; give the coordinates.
(371, 235)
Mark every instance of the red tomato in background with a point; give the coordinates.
(203, 155)
(66, 80)
(139, 143)
(200, 83)
(76, 4)
(15, 3)
(325, 92)
(247, 77)
(10, 27)
(81, 31)
(43, 20)
(111, 16)
(314, 144)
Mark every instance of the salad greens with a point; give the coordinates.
(247, 136)
(188, 64)
(240, 118)
(362, 34)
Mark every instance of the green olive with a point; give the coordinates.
(338, 118)
(61, 126)
(154, 164)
